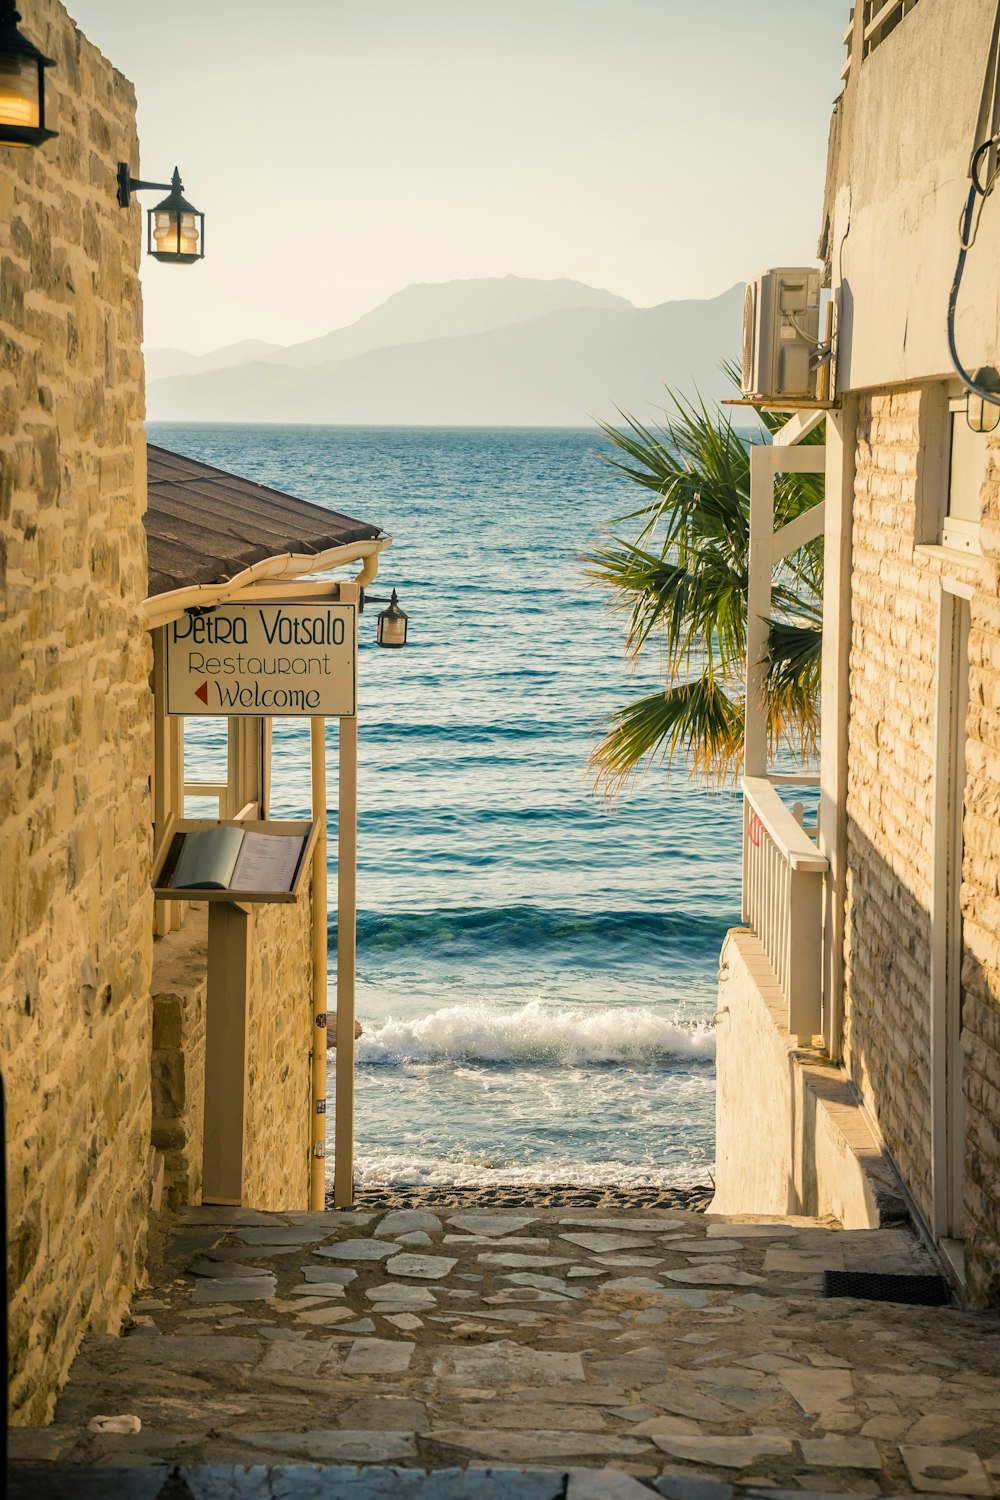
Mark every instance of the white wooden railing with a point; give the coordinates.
(881, 17)
(783, 897)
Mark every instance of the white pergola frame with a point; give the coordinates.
(284, 577)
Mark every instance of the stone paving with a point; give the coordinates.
(672, 1347)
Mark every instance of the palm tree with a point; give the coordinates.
(683, 582)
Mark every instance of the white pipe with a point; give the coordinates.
(320, 1020)
(368, 571)
(347, 832)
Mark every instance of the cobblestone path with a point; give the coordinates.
(665, 1350)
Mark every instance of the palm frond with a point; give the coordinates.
(683, 582)
(698, 719)
(792, 684)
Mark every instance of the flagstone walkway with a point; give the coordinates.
(671, 1346)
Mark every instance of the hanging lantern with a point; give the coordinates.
(983, 415)
(176, 230)
(22, 84)
(392, 624)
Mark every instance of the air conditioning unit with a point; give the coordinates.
(781, 335)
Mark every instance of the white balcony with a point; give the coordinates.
(783, 898)
(783, 871)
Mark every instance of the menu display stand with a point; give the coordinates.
(279, 852)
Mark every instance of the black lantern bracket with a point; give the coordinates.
(127, 184)
(174, 204)
(393, 623)
(15, 51)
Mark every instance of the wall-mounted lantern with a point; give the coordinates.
(392, 622)
(22, 84)
(176, 231)
(982, 414)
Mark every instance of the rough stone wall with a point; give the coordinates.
(75, 905)
(178, 1081)
(890, 792)
(895, 606)
(981, 911)
(276, 1169)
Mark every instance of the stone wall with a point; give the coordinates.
(178, 989)
(891, 769)
(75, 906)
(890, 792)
(276, 1172)
(276, 1166)
(981, 912)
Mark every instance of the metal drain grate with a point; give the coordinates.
(881, 1286)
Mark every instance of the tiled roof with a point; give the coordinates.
(204, 525)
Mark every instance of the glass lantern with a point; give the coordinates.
(982, 415)
(392, 624)
(176, 228)
(22, 84)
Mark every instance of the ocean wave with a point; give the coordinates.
(534, 1035)
(533, 927)
(400, 1170)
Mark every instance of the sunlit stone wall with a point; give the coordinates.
(75, 904)
(276, 1165)
(896, 591)
(890, 792)
(981, 911)
(276, 1159)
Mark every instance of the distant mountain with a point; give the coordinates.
(557, 367)
(163, 363)
(449, 309)
(426, 310)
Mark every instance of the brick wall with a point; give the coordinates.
(75, 907)
(890, 807)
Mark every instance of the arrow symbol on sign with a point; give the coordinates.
(202, 693)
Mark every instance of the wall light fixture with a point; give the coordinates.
(176, 231)
(22, 84)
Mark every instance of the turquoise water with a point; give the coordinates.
(536, 969)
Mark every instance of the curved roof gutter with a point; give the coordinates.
(160, 609)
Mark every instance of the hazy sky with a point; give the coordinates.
(658, 148)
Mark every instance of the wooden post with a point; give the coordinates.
(226, 1012)
(343, 1181)
(317, 1100)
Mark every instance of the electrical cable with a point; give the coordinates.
(968, 226)
(967, 231)
(804, 333)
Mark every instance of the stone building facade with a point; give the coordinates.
(102, 1031)
(905, 1078)
(76, 918)
(892, 761)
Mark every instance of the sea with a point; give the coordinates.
(536, 964)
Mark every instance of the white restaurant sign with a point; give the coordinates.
(288, 660)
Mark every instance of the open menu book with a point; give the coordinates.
(235, 859)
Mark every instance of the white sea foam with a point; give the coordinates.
(420, 1171)
(534, 1033)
